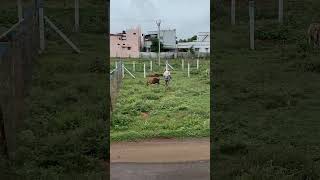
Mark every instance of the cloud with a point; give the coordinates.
(186, 16)
(144, 9)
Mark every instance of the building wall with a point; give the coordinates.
(170, 55)
(126, 45)
(204, 47)
(167, 37)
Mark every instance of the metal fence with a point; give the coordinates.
(116, 76)
(18, 47)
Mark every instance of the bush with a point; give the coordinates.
(275, 33)
(120, 120)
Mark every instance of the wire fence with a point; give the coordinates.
(116, 76)
(18, 47)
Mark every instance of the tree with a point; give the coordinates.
(155, 45)
(193, 38)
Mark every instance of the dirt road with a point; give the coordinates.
(161, 171)
(162, 150)
(164, 159)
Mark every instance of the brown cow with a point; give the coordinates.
(153, 80)
(154, 75)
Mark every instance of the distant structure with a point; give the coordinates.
(167, 37)
(202, 44)
(126, 44)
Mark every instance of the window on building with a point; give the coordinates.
(124, 44)
(129, 48)
(119, 38)
(118, 44)
(134, 33)
(207, 49)
(197, 49)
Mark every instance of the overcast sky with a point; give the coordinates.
(186, 16)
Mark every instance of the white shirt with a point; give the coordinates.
(166, 73)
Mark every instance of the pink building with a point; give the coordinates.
(126, 44)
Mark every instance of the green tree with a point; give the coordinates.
(193, 38)
(155, 45)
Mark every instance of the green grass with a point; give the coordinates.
(178, 112)
(65, 132)
(266, 102)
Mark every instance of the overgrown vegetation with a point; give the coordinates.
(66, 116)
(155, 45)
(181, 111)
(266, 102)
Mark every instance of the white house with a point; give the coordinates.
(202, 44)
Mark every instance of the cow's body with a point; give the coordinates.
(154, 75)
(153, 80)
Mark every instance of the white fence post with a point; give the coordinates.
(280, 18)
(182, 64)
(122, 70)
(197, 63)
(166, 64)
(41, 25)
(151, 65)
(233, 12)
(251, 14)
(144, 70)
(20, 11)
(188, 69)
(76, 15)
(134, 66)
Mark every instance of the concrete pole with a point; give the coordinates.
(166, 65)
(280, 18)
(116, 63)
(122, 70)
(134, 66)
(144, 70)
(251, 15)
(182, 64)
(233, 12)
(76, 15)
(41, 25)
(198, 59)
(197, 63)
(158, 24)
(188, 69)
(20, 12)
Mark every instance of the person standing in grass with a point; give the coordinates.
(167, 76)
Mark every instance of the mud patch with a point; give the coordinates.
(144, 115)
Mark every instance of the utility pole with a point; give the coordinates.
(158, 24)
(20, 15)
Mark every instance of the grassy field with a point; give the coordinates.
(265, 121)
(152, 111)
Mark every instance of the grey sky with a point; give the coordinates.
(186, 16)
